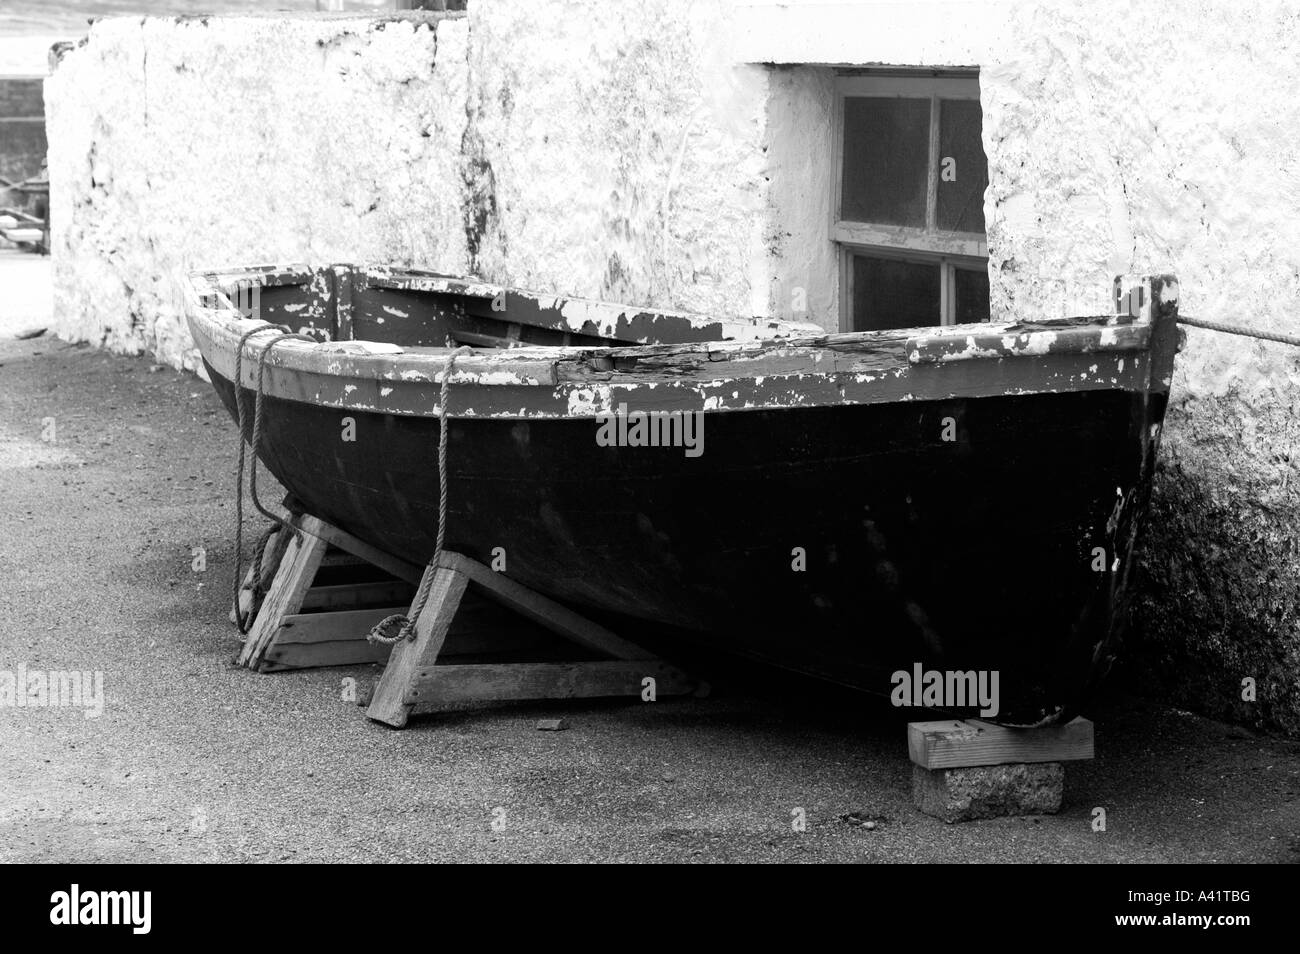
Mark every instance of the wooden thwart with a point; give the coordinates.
(965, 744)
(414, 676)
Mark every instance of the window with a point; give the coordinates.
(909, 204)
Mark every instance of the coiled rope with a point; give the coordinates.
(405, 623)
(1238, 330)
(245, 620)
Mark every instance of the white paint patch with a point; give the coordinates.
(585, 402)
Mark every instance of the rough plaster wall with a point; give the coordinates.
(803, 261)
(210, 142)
(1131, 137)
(617, 153)
(1179, 154)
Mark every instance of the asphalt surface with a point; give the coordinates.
(195, 760)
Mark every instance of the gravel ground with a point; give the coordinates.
(194, 760)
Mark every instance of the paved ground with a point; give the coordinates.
(194, 760)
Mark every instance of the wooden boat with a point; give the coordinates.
(962, 497)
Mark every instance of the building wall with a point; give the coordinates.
(203, 142)
(676, 155)
(617, 152)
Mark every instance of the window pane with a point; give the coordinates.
(963, 169)
(886, 160)
(972, 296)
(888, 293)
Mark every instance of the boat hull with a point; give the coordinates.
(849, 542)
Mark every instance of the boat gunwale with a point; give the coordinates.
(775, 373)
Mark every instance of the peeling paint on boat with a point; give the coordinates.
(556, 381)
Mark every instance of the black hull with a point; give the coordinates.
(977, 553)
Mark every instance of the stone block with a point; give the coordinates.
(989, 791)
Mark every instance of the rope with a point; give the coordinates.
(406, 623)
(1238, 330)
(245, 621)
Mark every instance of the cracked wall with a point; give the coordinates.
(204, 142)
(618, 153)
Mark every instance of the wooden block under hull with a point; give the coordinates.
(954, 744)
(415, 676)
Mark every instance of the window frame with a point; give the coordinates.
(945, 249)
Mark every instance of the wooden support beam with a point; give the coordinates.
(349, 651)
(456, 653)
(964, 744)
(294, 576)
(328, 627)
(346, 541)
(389, 703)
(528, 603)
(272, 554)
(348, 595)
(518, 681)
(414, 675)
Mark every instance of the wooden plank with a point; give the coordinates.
(345, 541)
(334, 557)
(349, 595)
(389, 703)
(272, 555)
(329, 627)
(513, 681)
(962, 744)
(292, 580)
(547, 612)
(283, 657)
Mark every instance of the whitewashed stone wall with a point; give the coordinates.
(179, 144)
(676, 155)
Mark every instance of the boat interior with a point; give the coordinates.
(413, 309)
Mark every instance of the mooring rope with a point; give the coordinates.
(242, 620)
(1238, 330)
(406, 622)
